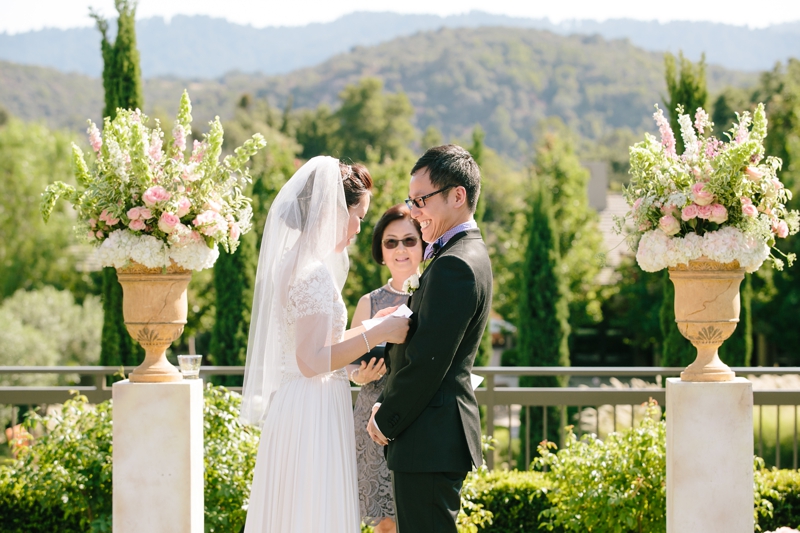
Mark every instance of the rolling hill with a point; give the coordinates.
(506, 79)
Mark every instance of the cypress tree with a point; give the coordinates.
(234, 280)
(543, 326)
(122, 84)
(484, 355)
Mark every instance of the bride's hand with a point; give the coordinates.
(394, 329)
(386, 312)
(371, 372)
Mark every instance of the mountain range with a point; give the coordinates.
(205, 47)
(505, 79)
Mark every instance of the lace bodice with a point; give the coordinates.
(313, 293)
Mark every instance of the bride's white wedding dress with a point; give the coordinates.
(305, 479)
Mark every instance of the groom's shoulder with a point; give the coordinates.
(471, 249)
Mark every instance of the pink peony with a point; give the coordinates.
(753, 174)
(780, 229)
(184, 206)
(718, 214)
(701, 195)
(689, 212)
(137, 225)
(167, 222)
(155, 195)
(749, 210)
(669, 225)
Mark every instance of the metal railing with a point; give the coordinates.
(490, 394)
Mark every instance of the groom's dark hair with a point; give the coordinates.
(451, 164)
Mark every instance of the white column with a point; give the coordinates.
(709, 456)
(158, 457)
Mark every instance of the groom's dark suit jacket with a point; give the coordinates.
(428, 406)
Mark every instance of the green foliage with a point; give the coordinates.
(34, 254)
(617, 485)
(515, 499)
(686, 86)
(230, 449)
(63, 481)
(580, 242)
(46, 327)
(234, 281)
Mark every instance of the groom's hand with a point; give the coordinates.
(372, 428)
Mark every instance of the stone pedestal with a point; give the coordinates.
(710, 456)
(158, 457)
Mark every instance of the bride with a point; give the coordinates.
(295, 385)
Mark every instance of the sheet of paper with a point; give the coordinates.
(402, 311)
(475, 380)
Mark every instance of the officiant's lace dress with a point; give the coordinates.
(375, 496)
(305, 475)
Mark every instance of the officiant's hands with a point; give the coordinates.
(369, 372)
(372, 428)
(393, 329)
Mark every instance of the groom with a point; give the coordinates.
(427, 413)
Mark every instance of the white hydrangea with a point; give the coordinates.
(194, 255)
(116, 249)
(657, 250)
(150, 252)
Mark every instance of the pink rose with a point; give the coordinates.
(689, 212)
(637, 203)
(90, 235)
(749, 210)
(137, 225)
(704, 212)
(208, 222)
(669, 225)
(184, 206)
(671, 209)
(99, 234)
(780, 229)
(776, 183)
(167, 222)
(701, 195)
(92, 222)
(753, 174)
(746, 201)
(718, 214)
(155, 195)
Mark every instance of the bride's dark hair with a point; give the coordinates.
(356, 181)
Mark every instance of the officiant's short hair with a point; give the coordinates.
(451, 164)
(396, 212)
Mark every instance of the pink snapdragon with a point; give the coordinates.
(669, 225)
(713, 148)
(154, 151)
(701, 195)
(189, 174)
(94, 138)
(184, 206)
(718, 214)
(137, 225)
(667, 136)
(637, 203)
(198, 150)
(168, 222)
(780, 228)
(701, 120)
(155, 195)
(179, 136)
(139, 213)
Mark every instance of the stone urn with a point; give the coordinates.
(707, 311)
(154, 306)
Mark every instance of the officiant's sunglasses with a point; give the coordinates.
(408, 242)
(419, 202)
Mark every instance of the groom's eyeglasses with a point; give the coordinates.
(408, 242)
(419, 202)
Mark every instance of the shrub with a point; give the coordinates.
(63, 481)
(781, 488)
(617, 485)
(515, 499)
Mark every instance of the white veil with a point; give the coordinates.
(305, 223)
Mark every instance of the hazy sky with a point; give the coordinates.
(25, 15)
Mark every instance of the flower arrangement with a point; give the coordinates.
(720, 200)
(144, 202)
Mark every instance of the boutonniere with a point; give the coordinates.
(411, 284)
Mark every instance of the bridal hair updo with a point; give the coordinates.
(356, 182)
